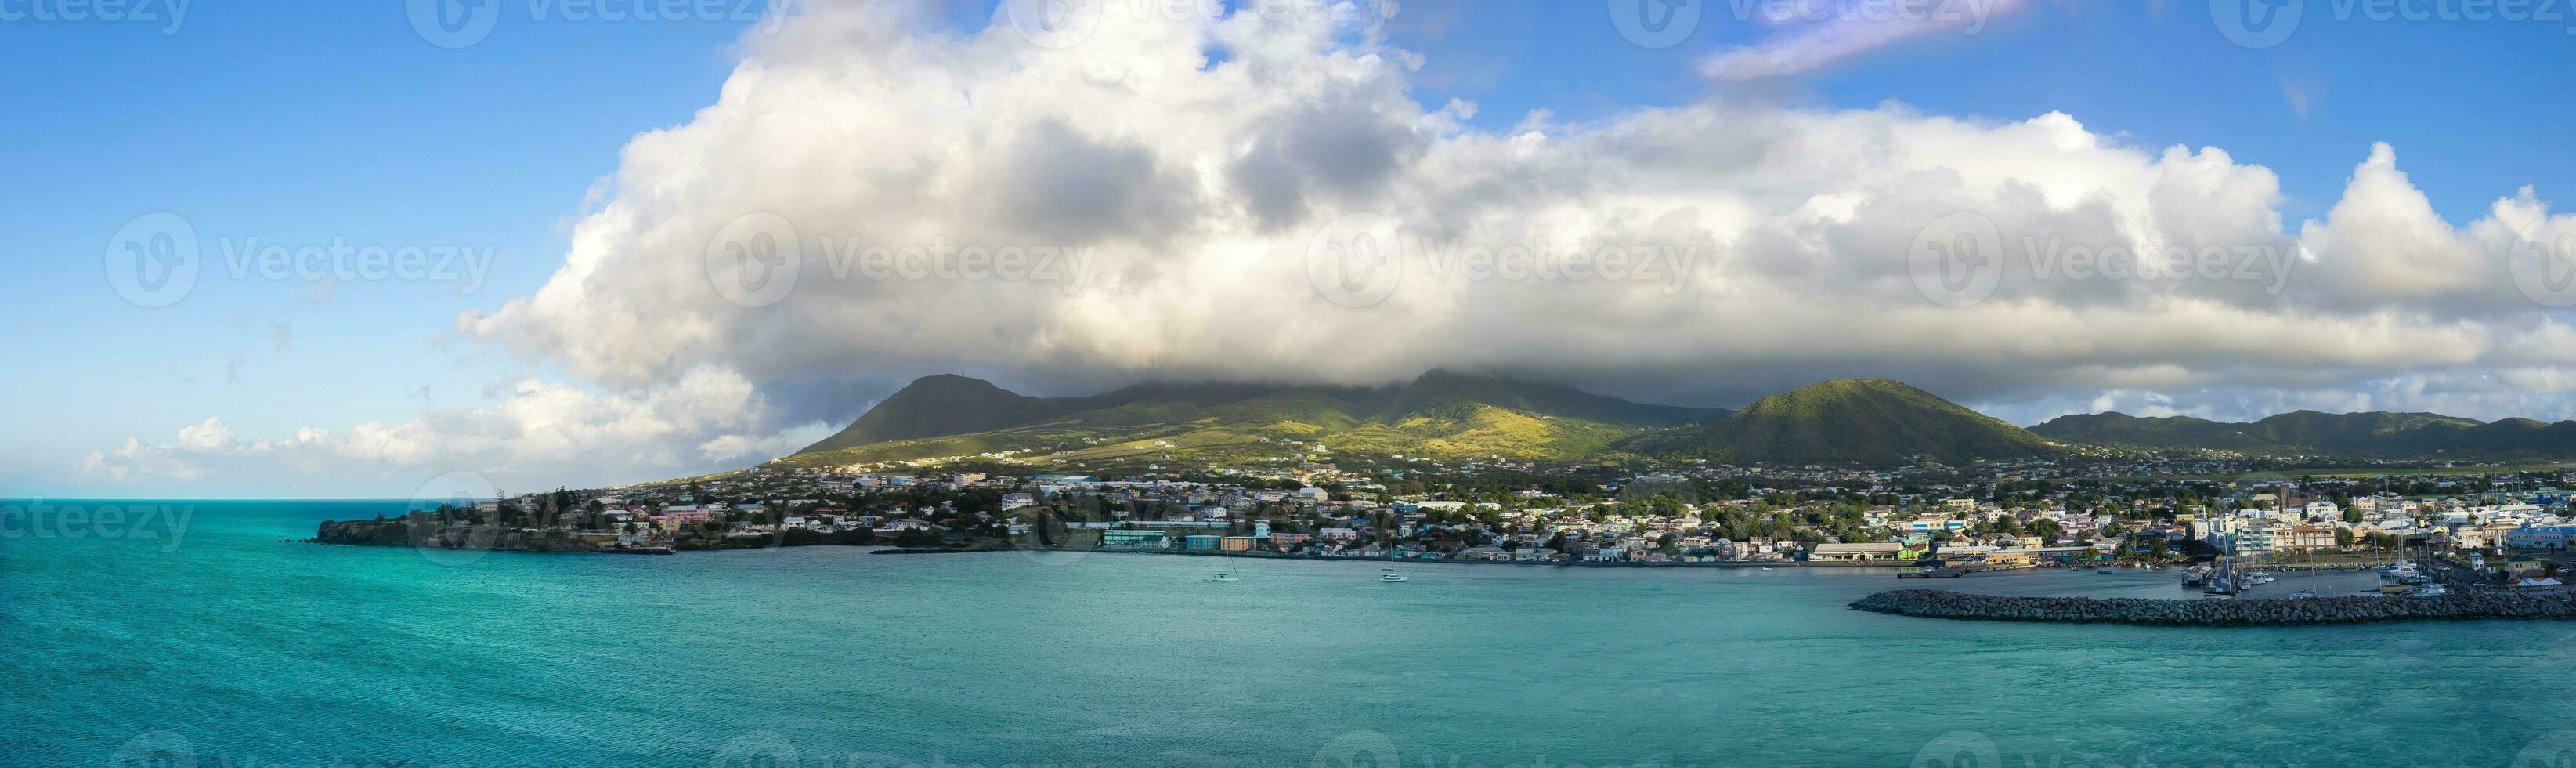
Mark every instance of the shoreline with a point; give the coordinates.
(1501, 563)
(2239, 612)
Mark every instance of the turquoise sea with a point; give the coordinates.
(223, 646)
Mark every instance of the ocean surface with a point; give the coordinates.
(200, 639)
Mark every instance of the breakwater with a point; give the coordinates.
(405, 532)
(1939, 604)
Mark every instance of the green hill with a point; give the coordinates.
(1875, 422)
(1441, 414)
(1450, 415)
(2374, 434)
(933, 406)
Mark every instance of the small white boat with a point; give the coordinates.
(1391, 575)
(2302, 595)
(1225, 577)
(2429, 590)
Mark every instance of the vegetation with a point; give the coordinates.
(2375, 434)
(1875, 422)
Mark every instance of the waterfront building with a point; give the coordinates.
(2541, 537)
(1856, 552)
(1123, 538)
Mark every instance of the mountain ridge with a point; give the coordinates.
(1449, 414)
(1441, 411)
(2372, 434)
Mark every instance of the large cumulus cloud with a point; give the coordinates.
(1200, 158)
(1179, 176)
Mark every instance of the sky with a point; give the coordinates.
(356, 249)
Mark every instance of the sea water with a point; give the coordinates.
(213, 643)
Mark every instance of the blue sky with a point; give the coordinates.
(309, 123)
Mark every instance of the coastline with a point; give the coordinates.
(2241, 612)
(1501, 563)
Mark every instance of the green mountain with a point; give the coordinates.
(1449, 415)
(943, 405)
(1875, 422)
(2374, 434)
(1441, 414)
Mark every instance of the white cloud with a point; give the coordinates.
(538, 434)
(1201, 187)
(1194, 192)
(210, 435)
(1823, 32)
